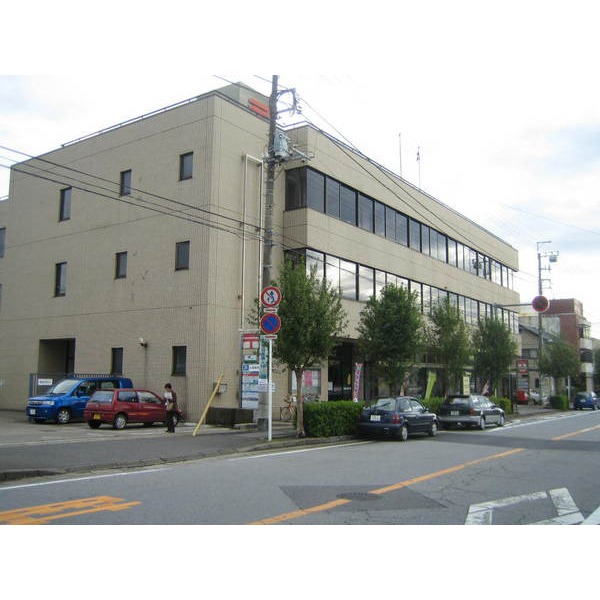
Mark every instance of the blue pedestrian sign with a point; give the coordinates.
(270, 323)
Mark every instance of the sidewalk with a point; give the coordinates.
(33, 450)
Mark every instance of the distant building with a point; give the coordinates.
(565, 319)
(138, 250)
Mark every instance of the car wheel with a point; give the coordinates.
(63, 416)
(403, 433)
(433, 429)
(482, 423)
(94, 424)
(500, 422)
(120, 421)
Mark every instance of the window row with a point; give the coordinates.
(182, 262)
(307, 188)
(360, 282)
(178, 360)
(186, 171)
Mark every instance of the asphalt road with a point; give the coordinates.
(540, 470)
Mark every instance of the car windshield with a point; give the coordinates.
(385, 404)
(102, 397)
(458, 400)
(64, 386)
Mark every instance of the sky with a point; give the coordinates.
(501, 100)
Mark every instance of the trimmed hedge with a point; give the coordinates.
(561, 402)
(326, 419)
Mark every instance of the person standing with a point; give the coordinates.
(170, 397)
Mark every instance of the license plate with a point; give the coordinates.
(97, 416)
(454, 413)
(32, 411)
(375, 418)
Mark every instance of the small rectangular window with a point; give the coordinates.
(65, 205)
(379, 224)
(348, 205)
(182, 256)
(365, 212)
(332, 197)
(2, 240)
(186, 166)
(120, 265)
(60, 279)
(116, 361)
(179, 360)
(315, 190)
(125, 185)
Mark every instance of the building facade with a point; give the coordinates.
(563, 319)
(138, 249)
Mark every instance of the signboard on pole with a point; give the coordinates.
(270, 323)
(270, 296)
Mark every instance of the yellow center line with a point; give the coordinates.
(384, 490)
(574, 433)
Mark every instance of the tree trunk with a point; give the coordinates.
(299, 404)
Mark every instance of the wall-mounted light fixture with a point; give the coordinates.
(222, 388)
(143, 342)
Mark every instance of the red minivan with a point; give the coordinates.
(120, 407)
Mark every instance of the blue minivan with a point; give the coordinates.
(66, 400)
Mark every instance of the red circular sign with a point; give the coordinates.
(270, 296)
(540, 303)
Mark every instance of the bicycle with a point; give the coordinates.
(288, 411)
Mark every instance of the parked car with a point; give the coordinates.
(469, 410)
(400, 417)
(537, 398)
(66, 400)
(586, 400)
(120, 407)
(522, 397)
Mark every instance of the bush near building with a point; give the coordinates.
(326, 419)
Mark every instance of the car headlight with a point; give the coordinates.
(48, 403)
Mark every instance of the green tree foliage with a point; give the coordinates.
(494, 351)
(391, 333)
(450, 341)
(312, 320)
(559, 360)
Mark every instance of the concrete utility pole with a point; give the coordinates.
(262, 418)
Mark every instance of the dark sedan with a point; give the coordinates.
(586, 400)
(469, 410)
(399, 417)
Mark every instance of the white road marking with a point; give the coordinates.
(567, 511)
(89, 477)
(297, 451)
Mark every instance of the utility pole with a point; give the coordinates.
(263, 418)
(553, 257)
(279, 151)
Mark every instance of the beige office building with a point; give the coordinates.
(138, 250)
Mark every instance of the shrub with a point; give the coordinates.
(559, 401)
(504, 403)
(325, 419)
(433, 403)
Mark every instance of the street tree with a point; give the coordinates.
(450, 340)
(312, 321)
(559, 359)
(391, 334)
(494, 350)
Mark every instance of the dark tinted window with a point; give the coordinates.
(315, 190)
(347, 205)
(332, 197)
(102, 397)
(365, 212)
